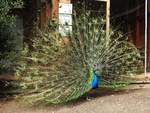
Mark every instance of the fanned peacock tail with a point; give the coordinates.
(111, 55)
(57, 73)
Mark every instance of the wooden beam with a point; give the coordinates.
(7, 78)
(107, 17)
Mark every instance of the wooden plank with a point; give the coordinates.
(7, 77)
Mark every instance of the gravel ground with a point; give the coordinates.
(134, 99)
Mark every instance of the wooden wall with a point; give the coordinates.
(49, 10)
(148, 30)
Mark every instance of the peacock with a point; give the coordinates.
(58, 70)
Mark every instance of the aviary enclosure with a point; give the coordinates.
(55, 70)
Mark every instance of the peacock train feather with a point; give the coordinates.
(58, 71)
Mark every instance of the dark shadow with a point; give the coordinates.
(92, 95)
(101, 92)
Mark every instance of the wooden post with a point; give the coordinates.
(107, 17)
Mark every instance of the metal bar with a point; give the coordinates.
(146, 12)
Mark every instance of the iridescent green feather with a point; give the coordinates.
(56, 73)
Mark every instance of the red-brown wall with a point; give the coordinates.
(149, 30)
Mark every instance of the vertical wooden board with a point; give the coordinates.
(65, 8)
(65, 19)
(138, 35)
(107, 17)
(43, 17)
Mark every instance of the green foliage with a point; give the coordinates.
(6, 7)
(8, 37)
(57, 73)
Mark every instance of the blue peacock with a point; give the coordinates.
(57, 71)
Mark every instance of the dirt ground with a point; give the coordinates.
(134, 99)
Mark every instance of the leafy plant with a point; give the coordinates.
(8, 37)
